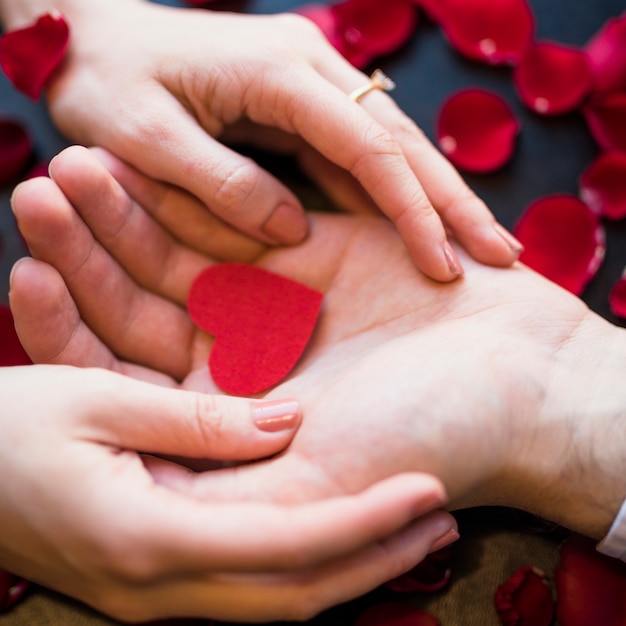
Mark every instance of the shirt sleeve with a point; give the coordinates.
(614, 544)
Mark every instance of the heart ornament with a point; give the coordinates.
(262, 322)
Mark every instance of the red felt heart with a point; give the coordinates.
(261, 322)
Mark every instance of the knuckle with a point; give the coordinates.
(209, 421)
(236, 187)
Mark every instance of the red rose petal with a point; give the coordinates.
(476, 130)
(432, 574)
(326, 20)
(563, 240)
(15, 150)
(39, 169)
(606, 119)
(11, 351)
(29, 55)
(12, 589)
(261, 322)
(525, 599)
(395, 614)
(493, 31)
(552, 78)
(603, 185)
(617, 297)
(591, 587)
(607, 54)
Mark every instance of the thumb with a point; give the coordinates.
(136, 415)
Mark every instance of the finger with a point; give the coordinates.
(180, 213)
(144, 327)
(299, 595)
(230, 185)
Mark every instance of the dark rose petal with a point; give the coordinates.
(607, 54)
(617, 297)
(525, 599)
(432, 574)
(11, 351)
(493, 31)
(606, 119)
(29, 55)
(603, 185)
(563, 240)
(12, 589)
(15, 150)
(39, 169)
(552, 78)
(590, 586)
(476, 130)
(395, 614)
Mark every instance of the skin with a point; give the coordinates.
(503, 385)
(270, 81)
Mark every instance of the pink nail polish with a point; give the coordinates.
(453, 262)
(287, 224)
(515, 245)
(276, 415)
(446, 539)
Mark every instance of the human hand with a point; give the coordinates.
(178, 82)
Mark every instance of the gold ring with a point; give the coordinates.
(378, 80)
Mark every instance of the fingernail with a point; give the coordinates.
(453, 262)
(13, 270)
(515, 245)
(287, 224)
(275, 415)
(450, 536)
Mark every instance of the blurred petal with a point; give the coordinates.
(617, 297)
(476, 130)
(563, 240)
(12, 589)
(606, 119)
(15, 150)
(603, 185)
(552, 78)
(607, 53)
(11, 351)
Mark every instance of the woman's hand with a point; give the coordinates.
(167, 88)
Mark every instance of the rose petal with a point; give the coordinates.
(326, 20)
(603, 185)
(591, 587)
(617, 297)
(12, 589)
(395, 614)
(29, 55)
(563, 240)
(552, 78)
(39, 169)
(476, 130)
(15, 150)
(607, 54)
(606, 119)
(11, 350)
(432, 574)
(493, 31)
(525, 599)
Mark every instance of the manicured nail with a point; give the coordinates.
(276, 415)
(515, 245)
(13, 270)
(287, 224)
(450, 536)
(453, 262)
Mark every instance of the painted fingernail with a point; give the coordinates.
(276, 415)
(453, 262)
(287, 224)
(515, 245)
(450, 536)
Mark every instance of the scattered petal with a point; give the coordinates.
(493, 31)
(11, 351)
(552, 78)
(590, 586)
(39, 169)
(563, 240)
(476, 130)
(607, 54)
(525, 599)
(12, 589)
(617, 297)
(395, 614)
(324, 17)
(432, 574)
(606, 119)
(15, 150)
(603, 185)
(29, 55)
